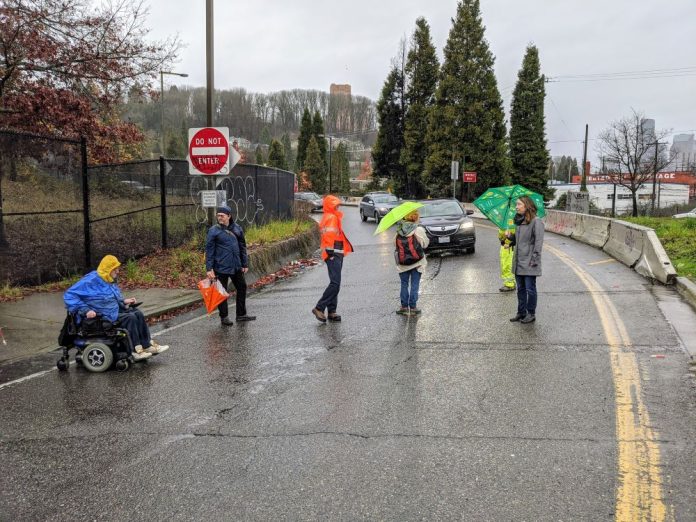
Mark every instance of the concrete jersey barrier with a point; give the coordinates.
(634, 245)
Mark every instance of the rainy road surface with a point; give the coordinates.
(458, 414)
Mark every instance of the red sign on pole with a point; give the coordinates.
(209, 151)
(469, 177)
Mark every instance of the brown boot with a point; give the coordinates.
(319, 315)
(334, 317)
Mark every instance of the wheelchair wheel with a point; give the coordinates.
(97, 357)
(62, 364)
(122, 365)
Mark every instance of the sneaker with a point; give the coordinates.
(138, 348)
(226, 321)
(415, 311)
(518, 317)
(506, 288)
(139, 356)
(334, 317)
(319, 315)
(155, 348)
(529, 318)
(241, 318)
(403, 311)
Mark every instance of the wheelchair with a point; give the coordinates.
(100, 344)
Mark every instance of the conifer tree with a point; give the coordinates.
(340, 168)
(287, 147)
(528, 153)
(315, 167)
(467, 121)
(386, 152)
(421, 79)
(260, 159)
(303, 139)
(318, 133)
(276, 155)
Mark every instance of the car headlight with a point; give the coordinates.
(467, 225)
(383, 210)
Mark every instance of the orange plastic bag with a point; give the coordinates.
(213, 293)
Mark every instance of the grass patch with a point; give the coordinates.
(276, 231)
(678, 236)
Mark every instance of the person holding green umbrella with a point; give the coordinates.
(526, 262)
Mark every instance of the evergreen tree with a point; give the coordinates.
(315, 167)
(340, 169)
(318, 133)
(421, 78)
(175, 147)
(265, 136)
(276, 155)
(260, 160)
(287, 147)
(303, 139)
(386, 152)
(528, 153)
(467, 121)
(574, 169)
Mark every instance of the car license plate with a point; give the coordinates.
(444, 239)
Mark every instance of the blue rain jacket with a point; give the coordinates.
(225, 249)
(93, 293)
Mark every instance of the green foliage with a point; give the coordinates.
(315, 167)
(678, 236)
(340, 170)
(260, 159)
(176, 147)
(287, 147)
(528, 153)
(276, 155)
(421, 77)
(318, 133)
(265, 137)
(303, 140)
(276, 231)
(467, 121)
(386, 152)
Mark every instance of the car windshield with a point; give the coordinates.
(440, 208)
(385, 199)
(312, 195)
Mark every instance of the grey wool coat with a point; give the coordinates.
(529, 242)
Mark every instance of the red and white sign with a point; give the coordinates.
(209, 151)
(469, 177)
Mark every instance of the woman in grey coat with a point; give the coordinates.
(526, 263)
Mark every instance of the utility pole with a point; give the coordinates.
(652, 204)
(583, 182)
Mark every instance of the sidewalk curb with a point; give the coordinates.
(687, 289)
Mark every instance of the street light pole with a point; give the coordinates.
(652, 205)
(162, 73)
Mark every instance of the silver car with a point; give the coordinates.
(376, 204)
(690, 214)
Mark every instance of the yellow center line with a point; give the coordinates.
(639, 493)
(602, 262)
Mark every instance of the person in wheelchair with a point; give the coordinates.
(98, 293)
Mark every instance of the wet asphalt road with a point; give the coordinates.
(457, 414)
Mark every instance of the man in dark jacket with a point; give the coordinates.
(226, 258)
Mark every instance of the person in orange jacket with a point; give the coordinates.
(334, 247)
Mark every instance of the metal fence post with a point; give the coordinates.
(163, 201)
(277, 177)
(85, 204)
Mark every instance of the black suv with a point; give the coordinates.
(376, 204)
(447, 225)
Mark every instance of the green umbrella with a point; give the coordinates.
(397, 214)
(498, 204)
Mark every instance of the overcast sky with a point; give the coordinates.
(271, 45)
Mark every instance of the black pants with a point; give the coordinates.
(240, 286)
(134, 322)
(329, 301)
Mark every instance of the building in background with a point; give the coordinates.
(340, 89)
(683, 152)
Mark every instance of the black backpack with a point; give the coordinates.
(408, 250)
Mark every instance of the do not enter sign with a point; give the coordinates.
(209, 151)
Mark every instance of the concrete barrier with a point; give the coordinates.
(687, 289)
(593, 230)
(625, 242)
(654, 261)
(562, 223)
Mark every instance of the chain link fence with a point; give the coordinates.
(60, 217)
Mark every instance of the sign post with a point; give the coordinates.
(454, 175)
